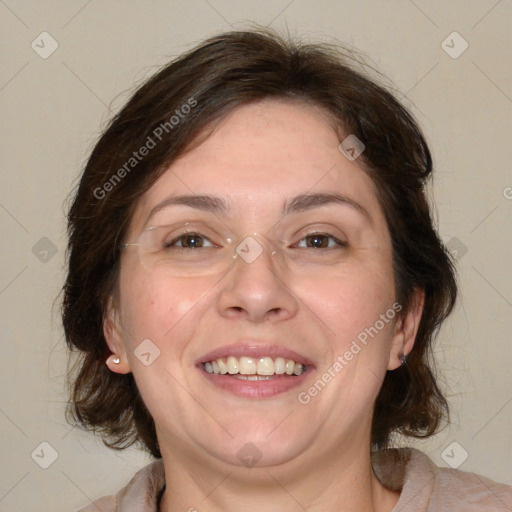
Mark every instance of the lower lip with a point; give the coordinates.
(256, 388)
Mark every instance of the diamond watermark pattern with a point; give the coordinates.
(351, 147)
(454, 45)
(44, 455)
(249, 249)
(454, 455)
(44, 45)
(457, 249)
(147, 352)
(249, 455)
(44, 249)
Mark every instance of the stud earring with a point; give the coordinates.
(116, 360)
(403, 358)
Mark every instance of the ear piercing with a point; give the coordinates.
(403, 358)
(116, 360)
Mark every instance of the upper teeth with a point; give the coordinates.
(254, 366)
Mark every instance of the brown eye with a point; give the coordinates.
(192, 241)
(189, 241)
(320, 241)
(317, 241)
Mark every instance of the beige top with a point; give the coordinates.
(424, 487)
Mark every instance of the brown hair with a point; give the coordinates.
(224, 72)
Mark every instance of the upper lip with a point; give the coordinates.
(256, 350)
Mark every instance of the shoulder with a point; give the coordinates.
(471, 491)
(105, 504)
(141, 493)
(426, 487)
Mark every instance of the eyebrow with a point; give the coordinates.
(199, 202)
(297, 204)
(305, 202)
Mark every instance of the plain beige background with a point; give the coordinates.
(53, 109)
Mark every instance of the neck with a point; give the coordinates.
(343, 482)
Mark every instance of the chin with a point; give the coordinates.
(259, 444)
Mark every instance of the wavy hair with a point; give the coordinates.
(221, 74)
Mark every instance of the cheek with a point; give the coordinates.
(146, 302)
(158, 306)
(353, 301)
(353, 291)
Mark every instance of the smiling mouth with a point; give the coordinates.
(254, 368)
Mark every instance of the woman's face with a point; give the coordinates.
(313, 283)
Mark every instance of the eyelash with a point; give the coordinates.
(183, 235)
(338, 242)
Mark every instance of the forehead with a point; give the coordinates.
(259, 156)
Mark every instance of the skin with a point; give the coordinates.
(257, 159)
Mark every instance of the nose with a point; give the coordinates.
(257, 287)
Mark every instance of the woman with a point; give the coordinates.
(254, 285)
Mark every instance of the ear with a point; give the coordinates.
(114, 338)
(406, 329)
